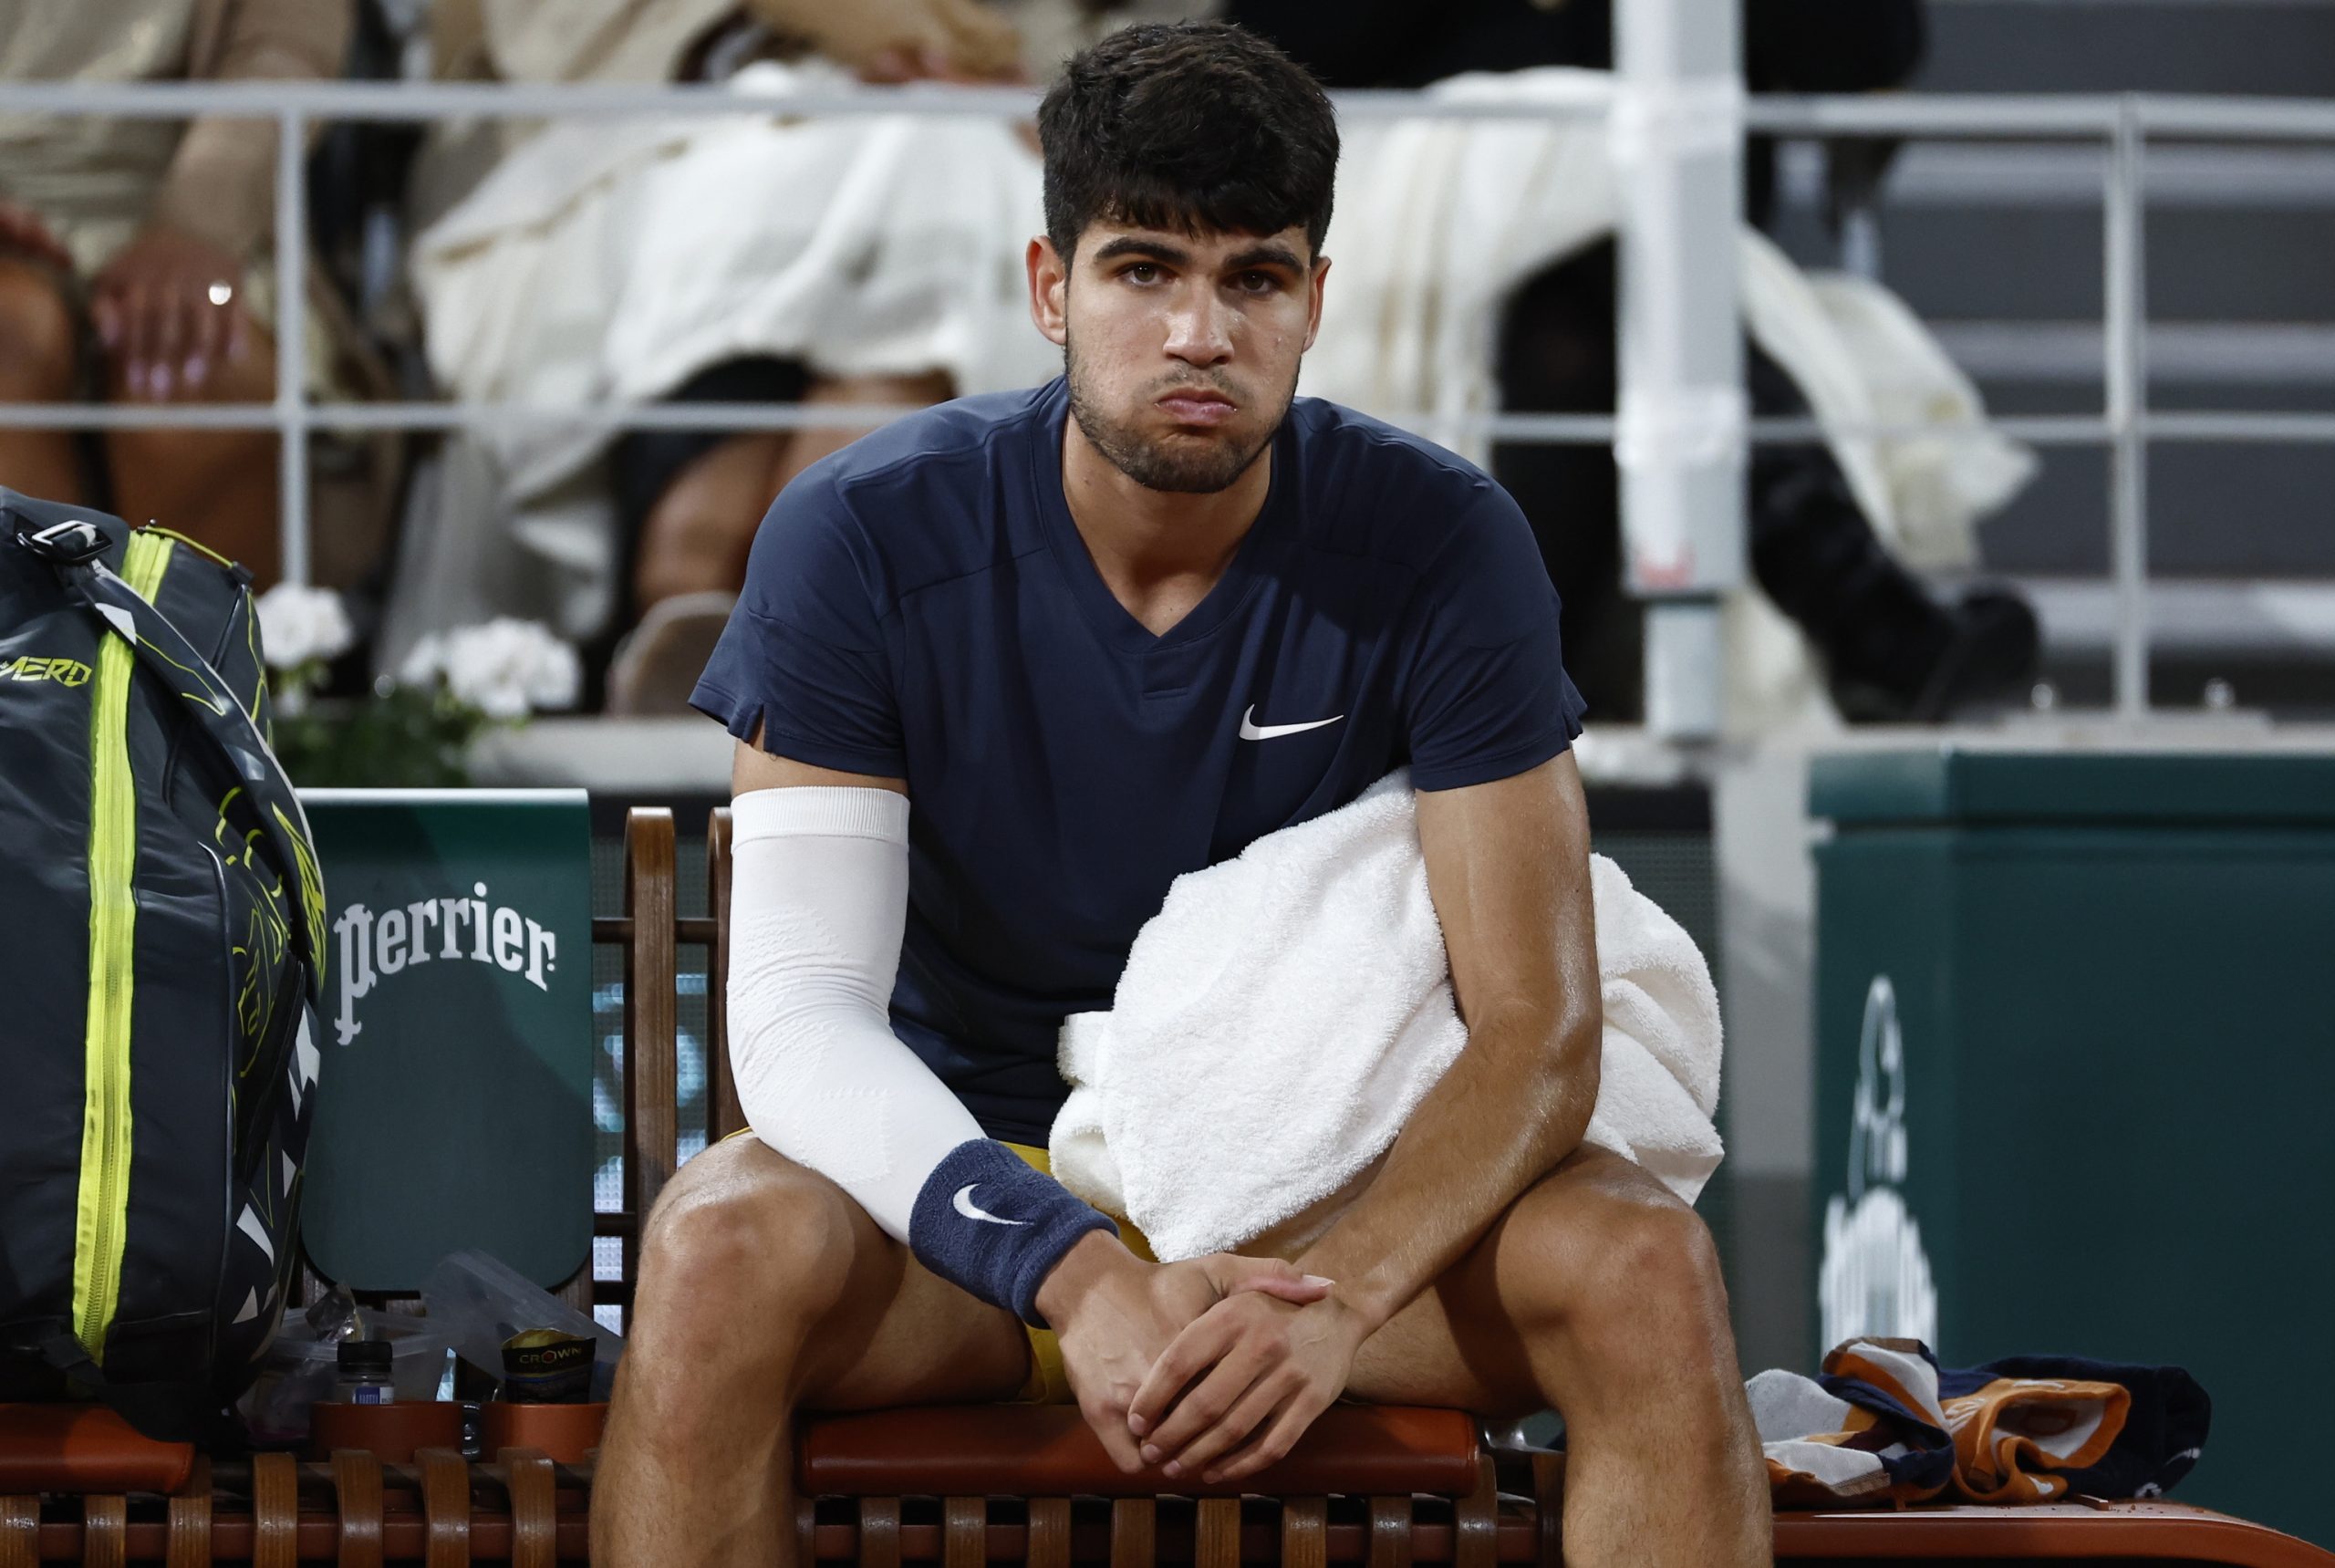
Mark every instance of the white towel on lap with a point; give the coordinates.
(1285, 1011)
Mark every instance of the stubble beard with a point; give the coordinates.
(1189, 467)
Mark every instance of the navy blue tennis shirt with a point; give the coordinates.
(920, 607)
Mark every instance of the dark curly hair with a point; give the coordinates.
(1187, 126)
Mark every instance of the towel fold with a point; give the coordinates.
(1285, 1011)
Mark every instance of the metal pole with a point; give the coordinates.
(2127, 376)
(292, 341)
(419, 102)
(2216, 427)
(2219, 428)
(2025, 116)
(1680, 415)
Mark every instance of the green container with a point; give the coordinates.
(454, 1107)
(2076, 1077)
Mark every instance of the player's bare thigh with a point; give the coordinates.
(889, 1331)
(1464, 1341)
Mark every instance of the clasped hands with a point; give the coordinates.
(1212, 1368)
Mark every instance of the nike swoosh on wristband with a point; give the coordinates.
(964, 1205)
(1252, 731)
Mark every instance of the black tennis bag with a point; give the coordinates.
(164, 932)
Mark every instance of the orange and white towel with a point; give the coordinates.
(1883, 1423)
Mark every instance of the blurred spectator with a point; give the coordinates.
(691, 500)
(853, 261)
(1891, 650)
(661, 517)
(134, 256)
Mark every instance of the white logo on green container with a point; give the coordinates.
(1875, 1277)
(374, 946)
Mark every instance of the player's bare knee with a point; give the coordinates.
(730, 1276)
(1651, 1265)
(777, 1247)
(36, 336)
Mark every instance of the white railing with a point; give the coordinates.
(2124, 125)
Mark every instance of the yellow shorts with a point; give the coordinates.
(1047, 1383)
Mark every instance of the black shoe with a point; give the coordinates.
(1993, 649)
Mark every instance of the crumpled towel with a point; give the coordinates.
(1285, 1011)
(1884, 1424)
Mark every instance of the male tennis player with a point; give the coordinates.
(1000, 673)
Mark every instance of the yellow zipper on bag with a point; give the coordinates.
(102, 1213)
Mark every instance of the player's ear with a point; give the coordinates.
(1321, 272)
(1049, 286)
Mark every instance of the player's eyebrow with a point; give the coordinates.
(1270, 253)
(1142, 245)
(1265, 255)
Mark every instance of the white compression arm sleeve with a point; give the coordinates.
(819, 899)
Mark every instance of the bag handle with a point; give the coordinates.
(269, 802)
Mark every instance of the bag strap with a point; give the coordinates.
(264, 798)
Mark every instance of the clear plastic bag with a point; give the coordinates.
(477, 1302)
(300, 1367)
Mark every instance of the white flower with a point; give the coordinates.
(299, 624)
(505, 668)
(424, 662)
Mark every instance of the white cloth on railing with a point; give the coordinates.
(1439, 221)
(1285, 1011)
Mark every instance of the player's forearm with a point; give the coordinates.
(818, 900)
(1515, 1103)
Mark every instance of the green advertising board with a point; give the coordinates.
(2073, 1068)
(454, 1102)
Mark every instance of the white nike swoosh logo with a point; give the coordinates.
(1252, 731)
(966, 1205)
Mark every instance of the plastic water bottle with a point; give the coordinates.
(365, 1373)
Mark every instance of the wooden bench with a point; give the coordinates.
(962, 1487)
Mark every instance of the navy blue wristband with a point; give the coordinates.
(986, 1221)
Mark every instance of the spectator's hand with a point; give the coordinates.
(1240, 1386)
(906, 40)
(168, 311)
(22, 233)
(1114, 1314)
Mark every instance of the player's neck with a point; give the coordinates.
(1158, 552)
